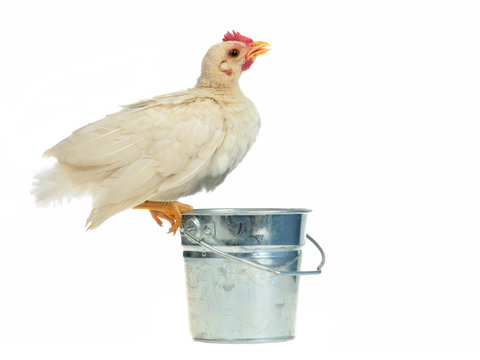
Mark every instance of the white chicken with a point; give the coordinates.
(155, 151)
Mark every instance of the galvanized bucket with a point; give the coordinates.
(242, 271)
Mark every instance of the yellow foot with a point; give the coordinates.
(168, 210)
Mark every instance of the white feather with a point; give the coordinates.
(158, 149)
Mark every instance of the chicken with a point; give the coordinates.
(155, 151)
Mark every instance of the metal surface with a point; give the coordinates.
(247, 211)
(256, 265)
(233, 259)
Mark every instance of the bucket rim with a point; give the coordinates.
(247, 211)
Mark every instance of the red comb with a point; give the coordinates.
(236, 36)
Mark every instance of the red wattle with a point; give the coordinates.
(246, 65)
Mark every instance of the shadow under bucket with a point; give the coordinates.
(242, 272)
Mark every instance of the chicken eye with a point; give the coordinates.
(233, 53)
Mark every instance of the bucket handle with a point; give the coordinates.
(255, 265)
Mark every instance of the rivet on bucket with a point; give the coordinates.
(242, 268)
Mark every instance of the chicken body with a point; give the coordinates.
(159, 149)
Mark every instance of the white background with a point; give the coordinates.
(370, 116)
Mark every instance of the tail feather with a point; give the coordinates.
(63, 182)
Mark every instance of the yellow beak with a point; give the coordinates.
(257, 48)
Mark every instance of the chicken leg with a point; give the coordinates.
(168, 210)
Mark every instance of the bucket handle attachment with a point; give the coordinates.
(255, 265)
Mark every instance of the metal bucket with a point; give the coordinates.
(242, 272)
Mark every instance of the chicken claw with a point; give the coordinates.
(168, 210)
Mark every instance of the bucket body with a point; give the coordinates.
(231, 301)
